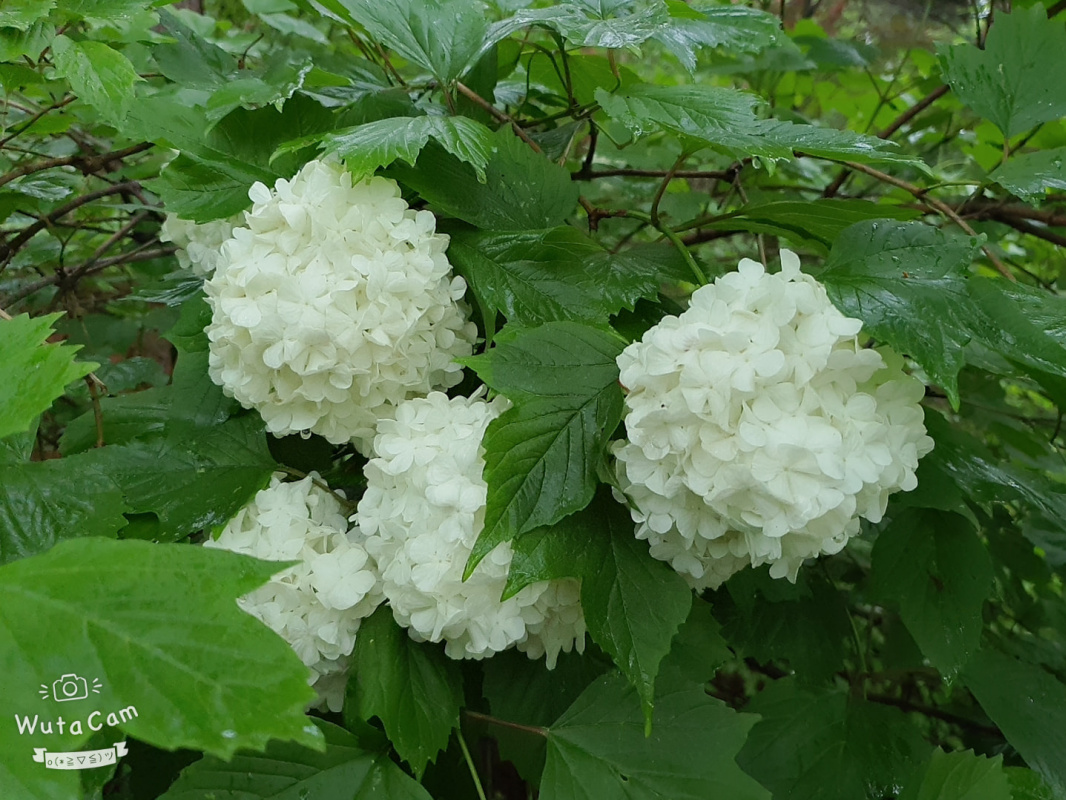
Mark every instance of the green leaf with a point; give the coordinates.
(378, 144)
(522, 189)
(733, 28)
(934, 567)
(959, 776)
(814, 224)
(45, 502)
(159, 628)
(1027, 785)
(442, 36)
(541, 455)
(413, 688)
(698, 649)
(524, 691)
(594, 24)
(201, 189)
(1029, 706)
(1030, 175)
(598, 749)
(32, 373)
(906, 282)
(981, 475)
(824, 746)
(21, 14)
(618, 575)
(1024, 324)
(805, 624)
(724, 119)
(193, 478)
(352, 767)
(1007, 82)
(99, 75)
(532, 277)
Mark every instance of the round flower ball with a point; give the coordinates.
(759, 430)
(334, 303)
(199, 244)
(318, 605)
(422, 511)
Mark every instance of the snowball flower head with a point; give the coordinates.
(422, 512)
(318, 605)
(759, 430)
(199, 244)
(334, 303)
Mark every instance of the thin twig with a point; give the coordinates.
(721, 175)
(502, 723)
(138, 254)
(675, 240)
(481, 102)
(663, 186)
(34, 119)
(929, 711)
(93, 382)
(8, 250)
(88, 164)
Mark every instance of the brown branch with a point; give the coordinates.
(722, 175)
(490, 720)
(888, 132)
(87, 164)
(1058, 8)
(939, 205)
(137, 254)
(1033, 230)
(34, 119)
(914, 111)
(935, 713)
(481, 102)
(8, 250)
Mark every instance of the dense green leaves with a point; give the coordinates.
(1029, 706)
(522, 189)
(935, 568)
(1007, 82)
(201, 189)
(541, 455)
(354, 767)
(32, 373)
(725, 120)
(805, 624)
(194, 478)
(959, 776)
(412, 688)
(199, 673)
(906, 282)
(827, 746)
(617, 575)
(598, 748)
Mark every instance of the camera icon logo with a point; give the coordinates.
(69, 687)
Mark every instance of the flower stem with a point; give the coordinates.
(470, 766)
(675, 240)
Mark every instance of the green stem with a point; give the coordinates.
(675, 240)
(470, 766)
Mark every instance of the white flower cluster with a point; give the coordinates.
(759, 431)
(318, 605)
(199, 244)
(335, 303)
(422, 512)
